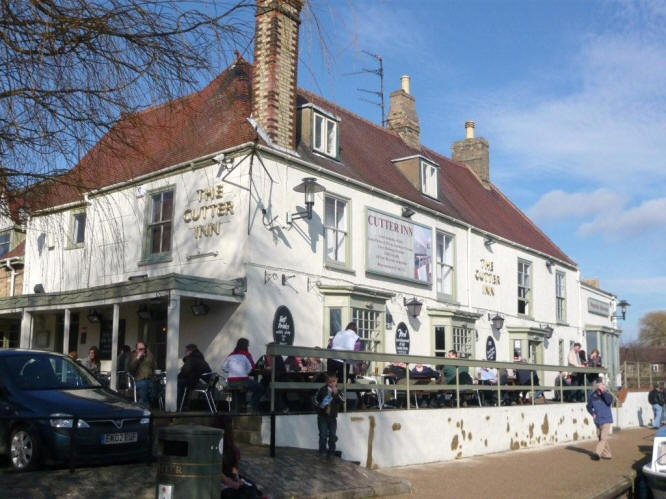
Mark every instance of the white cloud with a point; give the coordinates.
(559, 205)
(647, 218)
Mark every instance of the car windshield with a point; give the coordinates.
(34, 371)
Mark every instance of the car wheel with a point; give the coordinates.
(24, 449)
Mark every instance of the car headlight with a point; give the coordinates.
(59, 420)
(146, 417)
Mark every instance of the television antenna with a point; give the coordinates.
(379, 94)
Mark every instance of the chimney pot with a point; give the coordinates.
(404, 83)
(469, 129)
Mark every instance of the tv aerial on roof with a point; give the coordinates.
(380, 73)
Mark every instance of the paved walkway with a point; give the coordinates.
(562, 471)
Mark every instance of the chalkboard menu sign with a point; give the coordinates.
(283, 326)
(106, 338)
(491, 352)
(402, 339)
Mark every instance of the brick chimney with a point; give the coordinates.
(474, 153)
(402, 116)
(275, 69)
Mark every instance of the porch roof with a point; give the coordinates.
(129, 291)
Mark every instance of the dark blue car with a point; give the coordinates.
(42, 394)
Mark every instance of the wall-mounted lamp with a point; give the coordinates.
(407, 212)
(285, 278)
(144, 313)
(94, 316)
(549, 263)
(309, 187)
(200, 308)
(489, 242)
(548, 330)
(623, 305)
(497, 321)
(38, 289)
(413, 306)
(389, 320)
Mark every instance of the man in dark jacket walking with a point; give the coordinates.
(194, 365)
(328, 401)
(599, 406)
(656, 400)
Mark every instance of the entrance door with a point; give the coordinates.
(153, 332)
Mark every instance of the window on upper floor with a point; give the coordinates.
(429, 180)
(325, 135)
(445, 275)
(560, 296)
(524, 287)
(5, 238)
(77, 229)
(335, 230)
(160, 222)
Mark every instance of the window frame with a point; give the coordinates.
(427, 189)
(72, 243)
(560, 300)
(163, 256)
(8, 233)
(346, 264)
(438, 265)
(326, 120)
(529, 305)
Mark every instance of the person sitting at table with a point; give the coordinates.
(311, 364)
(449, 371)
(346, 339)
(527, 377)
(142, 366)
(294, 363)
(238, 365)
(487, 376)
(194, 365)
(92, 363)
(424, 375)
(266, 362)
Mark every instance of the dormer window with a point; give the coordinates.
(429, 181)
(325, 135)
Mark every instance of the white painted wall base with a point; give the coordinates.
(399, 438)
(635, 411)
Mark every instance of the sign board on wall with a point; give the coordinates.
(402, 339)
(398, 248)
(598, 307)
(491, 351)
(283, 326)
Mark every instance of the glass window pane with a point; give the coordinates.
(166, 237)
(330, 244)
(330, 137)
(439, 338)
(334, 320)
(167, 205)
(341, 219)
(329, 212)
(79, 227)
(340, 248)
(156, 209)
(318, 132)
(155, 238)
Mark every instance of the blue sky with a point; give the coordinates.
(570, 94)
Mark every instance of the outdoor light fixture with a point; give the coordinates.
(623, 304)
(309, 187)
(548, 330)
(389, 320)
(144, 313)
(497, 321)
(94, 316)
(200, 308)
(489, 242)
(38, 289)
(407, 212)
(413, 306)
(549, 263)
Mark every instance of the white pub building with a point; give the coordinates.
(255, 209)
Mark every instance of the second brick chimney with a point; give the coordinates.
(402, 116)
(275, 69)
(474, 152)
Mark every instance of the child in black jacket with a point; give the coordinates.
(328, 401)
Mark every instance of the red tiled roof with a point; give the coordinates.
(210, 120)
(366, 151)
(215, 118)
(19, 250)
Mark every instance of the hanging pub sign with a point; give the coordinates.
(283, 326)
(402, 339)
(491, 351)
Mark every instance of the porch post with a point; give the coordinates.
(173, 339)
(114, 345)
(26, 330)
(65, 336)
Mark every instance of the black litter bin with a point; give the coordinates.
(189, 462)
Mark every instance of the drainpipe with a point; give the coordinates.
(8, 263)
(467, 270)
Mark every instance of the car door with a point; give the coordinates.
(6, 412)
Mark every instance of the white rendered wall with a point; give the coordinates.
(635, 411)
(399, 438)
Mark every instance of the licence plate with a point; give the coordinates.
(119, 438)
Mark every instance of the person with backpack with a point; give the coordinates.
(328, 401)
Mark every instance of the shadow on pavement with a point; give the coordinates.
(581, 450)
